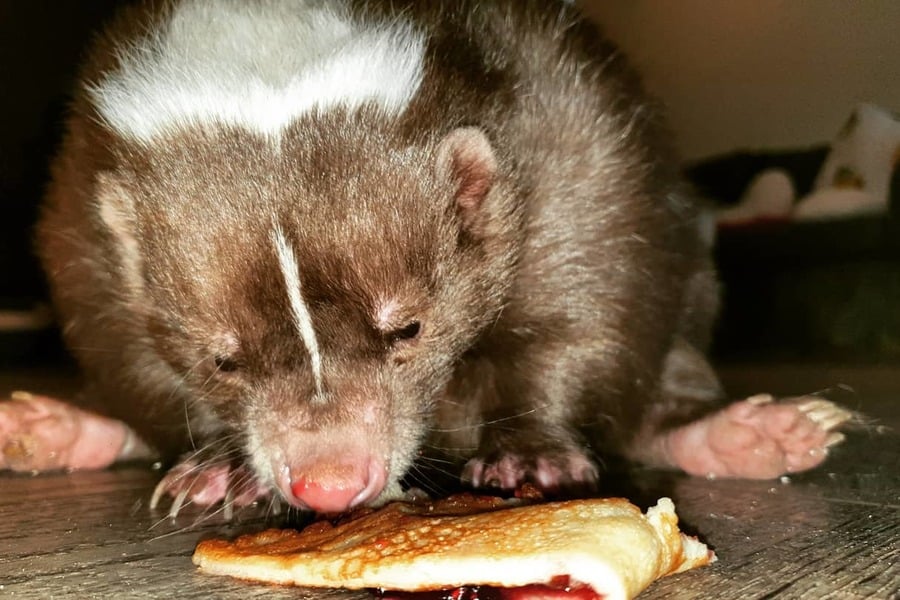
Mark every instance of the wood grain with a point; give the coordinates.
(833, 533)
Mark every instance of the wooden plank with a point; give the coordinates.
(833, 533)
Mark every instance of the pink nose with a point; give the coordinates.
(337, 488)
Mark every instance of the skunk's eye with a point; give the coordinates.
(405, 333)
(226, 364)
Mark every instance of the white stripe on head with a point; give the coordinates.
(257, 65)
(299, 310)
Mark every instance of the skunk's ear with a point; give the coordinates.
(466, 159)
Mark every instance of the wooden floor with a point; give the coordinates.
(833, 533)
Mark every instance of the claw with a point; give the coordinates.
(228, 504)
(760, 399)
(825, 413)
(158, 492)
(814, 404)
(178, 502)
(191, 482)
(834, 439)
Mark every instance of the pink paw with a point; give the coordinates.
(203, 485)
(38, 433)
(571, 469)
(758, 438)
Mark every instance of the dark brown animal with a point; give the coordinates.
(306, 243)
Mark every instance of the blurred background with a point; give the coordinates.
(785, 113)
(759, 74)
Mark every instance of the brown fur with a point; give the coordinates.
(564, 293)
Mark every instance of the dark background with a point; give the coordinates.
(41, 44)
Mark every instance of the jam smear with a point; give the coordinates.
(558, 589)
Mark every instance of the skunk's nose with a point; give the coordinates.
(327, 487)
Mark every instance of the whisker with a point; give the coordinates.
(432, 459)
(274, 507)
(492, 422)
(424, 482)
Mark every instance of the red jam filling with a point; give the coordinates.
(558, 589)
